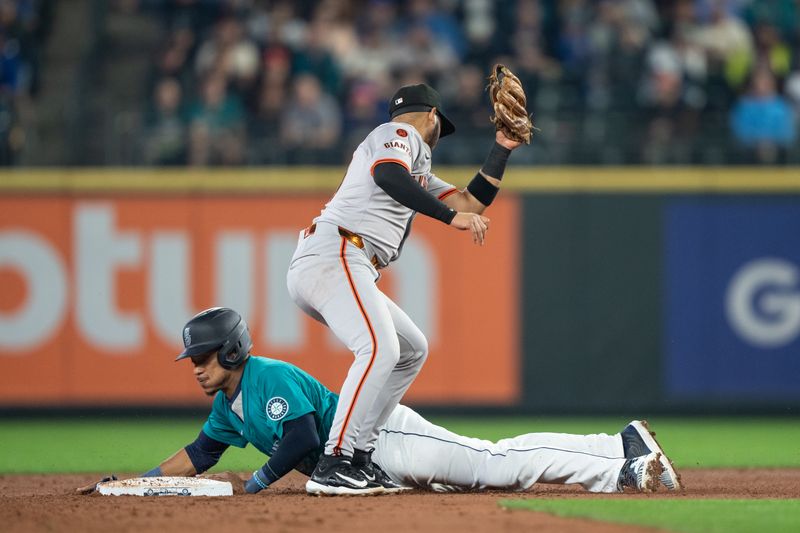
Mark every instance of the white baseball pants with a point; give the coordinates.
(333, 281)
(417, 453)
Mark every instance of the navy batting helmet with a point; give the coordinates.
(217, 329)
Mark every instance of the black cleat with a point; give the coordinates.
(336, 476)
(373, 472)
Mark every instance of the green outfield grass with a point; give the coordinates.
(131, 445)
(690, 516)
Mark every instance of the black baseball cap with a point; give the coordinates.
(420, 97)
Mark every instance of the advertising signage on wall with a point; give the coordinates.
(95, 292)
(732, 298)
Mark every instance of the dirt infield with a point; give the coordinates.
(46, 503)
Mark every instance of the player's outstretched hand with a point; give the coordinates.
(236, 482)
(477, 224)
(92, 487)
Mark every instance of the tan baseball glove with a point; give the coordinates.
(508, 100)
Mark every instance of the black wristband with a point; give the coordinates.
(495, 163)
(482, 190)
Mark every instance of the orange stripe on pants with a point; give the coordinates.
(371, 333)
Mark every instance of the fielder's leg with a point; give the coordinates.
(413, 353)
(339, 285)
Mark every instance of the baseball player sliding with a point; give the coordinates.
(287, 414)
(332, 275)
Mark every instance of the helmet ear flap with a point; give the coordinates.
(236, 348)
(228, 359)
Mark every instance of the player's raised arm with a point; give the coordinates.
(482, 190)
(514, 127)
(398, 183)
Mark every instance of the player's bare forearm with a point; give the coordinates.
(464, 202)
(179, 464)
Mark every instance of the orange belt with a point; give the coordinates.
(354, 238)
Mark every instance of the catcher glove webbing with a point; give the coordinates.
(508, 101)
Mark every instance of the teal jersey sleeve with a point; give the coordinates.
(219, 426)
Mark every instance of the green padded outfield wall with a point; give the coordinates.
(591, 312)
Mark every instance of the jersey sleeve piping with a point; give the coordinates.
(447, 193)
(388, 160)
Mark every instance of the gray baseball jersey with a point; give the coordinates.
(333, 281)
(362, 207)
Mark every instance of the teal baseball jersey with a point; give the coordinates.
(270, 393)
(411, 450)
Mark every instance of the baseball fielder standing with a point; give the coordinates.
(333, 273)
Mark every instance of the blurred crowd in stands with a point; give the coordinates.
(608, 81)
(24, 26)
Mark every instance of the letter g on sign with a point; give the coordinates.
(763, 302)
